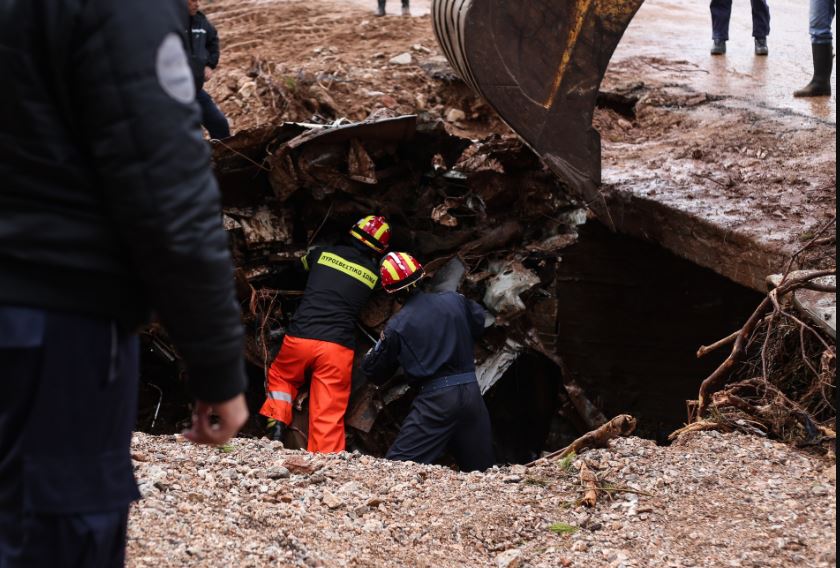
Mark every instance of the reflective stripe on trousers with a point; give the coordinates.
(278, 395)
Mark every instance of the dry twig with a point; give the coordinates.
(589, 482)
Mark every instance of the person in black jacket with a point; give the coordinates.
(203, 47)
(432, 339)
(108, 210)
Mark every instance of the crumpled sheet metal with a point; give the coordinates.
(334, 157)
(260, 225)
(503, 290)
(494, 367)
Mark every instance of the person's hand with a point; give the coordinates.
(207, 73)
(231, 415)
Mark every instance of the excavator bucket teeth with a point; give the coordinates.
(539, 64)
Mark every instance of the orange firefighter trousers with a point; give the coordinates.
(331, 365)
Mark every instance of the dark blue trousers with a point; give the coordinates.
(452, 418)
(212, 117)
(68, 399)
(722, 11)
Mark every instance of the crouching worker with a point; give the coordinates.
(432, 338)
(321, 337)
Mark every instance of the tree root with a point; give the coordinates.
(719, 377)
(779, 379)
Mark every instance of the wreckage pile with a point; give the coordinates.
(487, 218)
(484, 217)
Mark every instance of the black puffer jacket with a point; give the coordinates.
(108, 206)
(203, 46)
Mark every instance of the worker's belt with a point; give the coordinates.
(448, 381)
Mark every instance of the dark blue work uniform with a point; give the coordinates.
(722, 12)
(432, 339)
(69, 402)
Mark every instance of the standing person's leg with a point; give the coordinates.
(822, 49)
(472, 443)
(406, 10)
(721, 14)
(285, 377)
(427, 430)
(212, 117)
(761, 25)
(329, 394)
(68, 498)
(380, 8)
(760, 19)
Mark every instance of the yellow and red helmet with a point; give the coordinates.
(373, 231)
(400, 270)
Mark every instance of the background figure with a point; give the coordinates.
(204, 54)
(380, 11)
(721, 13)
(108, 210)
(822, 16)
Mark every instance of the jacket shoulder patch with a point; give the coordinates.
(173, 70)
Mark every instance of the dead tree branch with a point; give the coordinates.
(706, 349)
(621, 425)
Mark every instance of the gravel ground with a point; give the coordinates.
(708, 500)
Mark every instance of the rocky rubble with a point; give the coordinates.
(708, 500)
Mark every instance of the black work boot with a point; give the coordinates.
(275, 430)
(380, 9)
(406, 11)
(761, 46)
(820, 85)
(719, 47)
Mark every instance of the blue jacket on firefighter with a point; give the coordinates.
(432, 339)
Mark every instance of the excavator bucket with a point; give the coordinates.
(539, 64)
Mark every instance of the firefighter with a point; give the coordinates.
(321, 337)
(432, 338)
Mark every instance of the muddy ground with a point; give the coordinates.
(716, 175)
